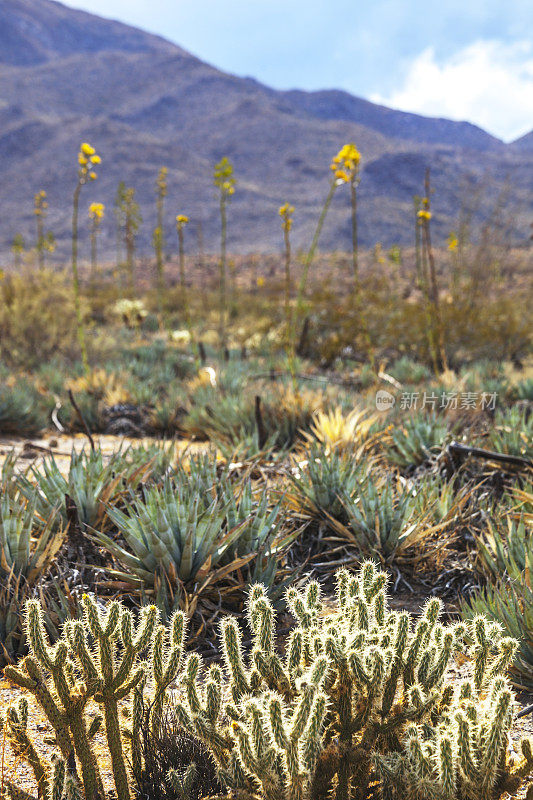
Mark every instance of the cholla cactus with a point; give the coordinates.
(97, 659)
(360, 700)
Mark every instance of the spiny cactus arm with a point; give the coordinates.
(71, 790)
(213, 700)
(446, 766)
(312, 743)
(481, 650)
(124, 690)
(90, 773)
(278, 724)
(137, 720)
(16, 729)
(496, 739)
(58, 780)
(294, 654)
(525, 767)
(431, 615)
(75, 634)
(300, 715)
(232, 650)
(34, 682)
(183, 786)
(436, 674)
(190, 678)
(36, 635)
(413, 745)
(467, 758)
(502, 662)
(114, 742)
(412, 657)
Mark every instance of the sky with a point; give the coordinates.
(461, 59)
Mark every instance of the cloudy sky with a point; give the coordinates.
(462, 59)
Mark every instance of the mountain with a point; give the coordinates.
(67, 77)
(524, 143)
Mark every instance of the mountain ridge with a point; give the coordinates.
(144, 102)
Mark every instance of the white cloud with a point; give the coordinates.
(489, 83)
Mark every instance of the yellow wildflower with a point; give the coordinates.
(453, 242)
(345, 164)
(260, 282)
(96, 211)
(424, 214)
(182, 219)
(286, 211)
(87, 150)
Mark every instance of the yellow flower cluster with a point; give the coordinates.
(181, 220)
(40, 204)
(286, 211)
(96, 211)
(223, 177)
(87, 160)
(424, 215)
(453, 242)
(346, 163)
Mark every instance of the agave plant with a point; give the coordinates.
(419, 438)
(512, 432)
(319, 482)
(28, 543)
(91, 483)
(172, 531)
(524, 390)
(336, 431)
(511, 605)
(506, 550)
(383, 520)
(28, 546)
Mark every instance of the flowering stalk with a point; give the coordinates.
(87, 160)
(161, 193)
(181, 221)
(345, 167)
(96, 215)
(128, 223)
(225, 182)
(40, 205)
(424, 216)
(285, 212)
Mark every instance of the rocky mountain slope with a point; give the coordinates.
(67, 76)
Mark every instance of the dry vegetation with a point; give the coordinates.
(300, 439)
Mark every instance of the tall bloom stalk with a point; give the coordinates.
(96, 215)
(438, 348)
(129, 220)
(225, 182)
(46, 242)
(159, 239)
(181, 221)
(286, 211)
(40, 205)
(88, 159)
(345, 167)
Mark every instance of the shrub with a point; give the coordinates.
(23, 410)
